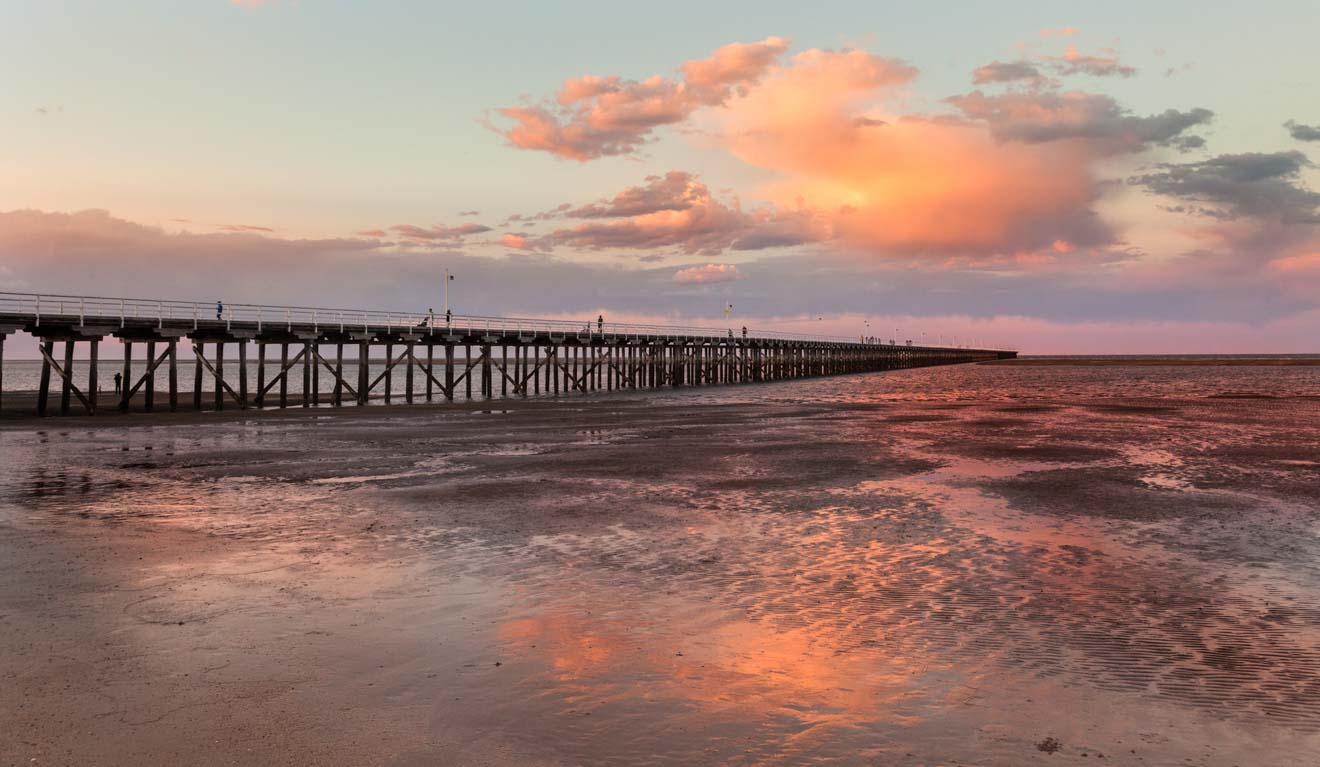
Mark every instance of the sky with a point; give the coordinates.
(1127, 177)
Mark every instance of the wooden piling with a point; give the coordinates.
(316, 372)
(149, 393)
(220, 375)
(66, 390)
(198, 348)
(261, 372)
(174, 375)
(389, 372)
(408, 374)
(242, 374)
(92, 382)
(363, 372)
(449, 372)
(284, 374)
(339, 374)
(307, 374)
(467, 368)
(43, 388)
(430, 369)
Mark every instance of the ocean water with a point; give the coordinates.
(951, 383)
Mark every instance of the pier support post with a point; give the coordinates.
(430, 370)
(198, 348)
(284, 375)
(127, 375)
(339, 374)
(467, 368)
(261, 373)
(174, 375)
(242, 375)
(220, 375)
(92, 383)
(408, 374)
(487, 385)
(449, 372)
(43, 388)
(66, 390)
(307, 374)
(389, 372)
(363, 380)
(149, 393)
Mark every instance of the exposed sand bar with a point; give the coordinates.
(812, 573)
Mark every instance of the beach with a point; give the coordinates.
(987, 564)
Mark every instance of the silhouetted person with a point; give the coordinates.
(428, 320)
(219, 310)
(119, 383)
(744, 331)
(449, 316)
(600, 325)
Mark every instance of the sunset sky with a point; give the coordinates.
(1118, 177)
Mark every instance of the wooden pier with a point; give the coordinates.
(312, 346)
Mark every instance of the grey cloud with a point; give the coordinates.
(1259, 185)
(1302, 132)
(1051, 116)
(1005, 72)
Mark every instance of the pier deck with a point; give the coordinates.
(517, 357)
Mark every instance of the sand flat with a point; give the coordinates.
(774, 574)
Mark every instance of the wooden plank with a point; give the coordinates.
(66, 378)
(388, 374)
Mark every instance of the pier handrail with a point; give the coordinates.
(117, 311)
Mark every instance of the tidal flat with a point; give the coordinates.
(991, 565)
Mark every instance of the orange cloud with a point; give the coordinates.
(1006, 177)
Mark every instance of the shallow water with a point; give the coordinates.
(972, 564)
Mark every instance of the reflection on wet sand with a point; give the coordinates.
(955, 577)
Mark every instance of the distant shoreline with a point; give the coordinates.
(1208, 361)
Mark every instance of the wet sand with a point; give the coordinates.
(774, 574)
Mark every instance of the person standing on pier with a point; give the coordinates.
(219, 310)
(600, 325)
(448, 318)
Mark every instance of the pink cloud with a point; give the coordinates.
(594, 116)
(244, 228)
(710, 273)
(1073, 62)
(677, 211)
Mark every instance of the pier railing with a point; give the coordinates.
(102, 310)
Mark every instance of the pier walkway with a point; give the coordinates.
(439, 358)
